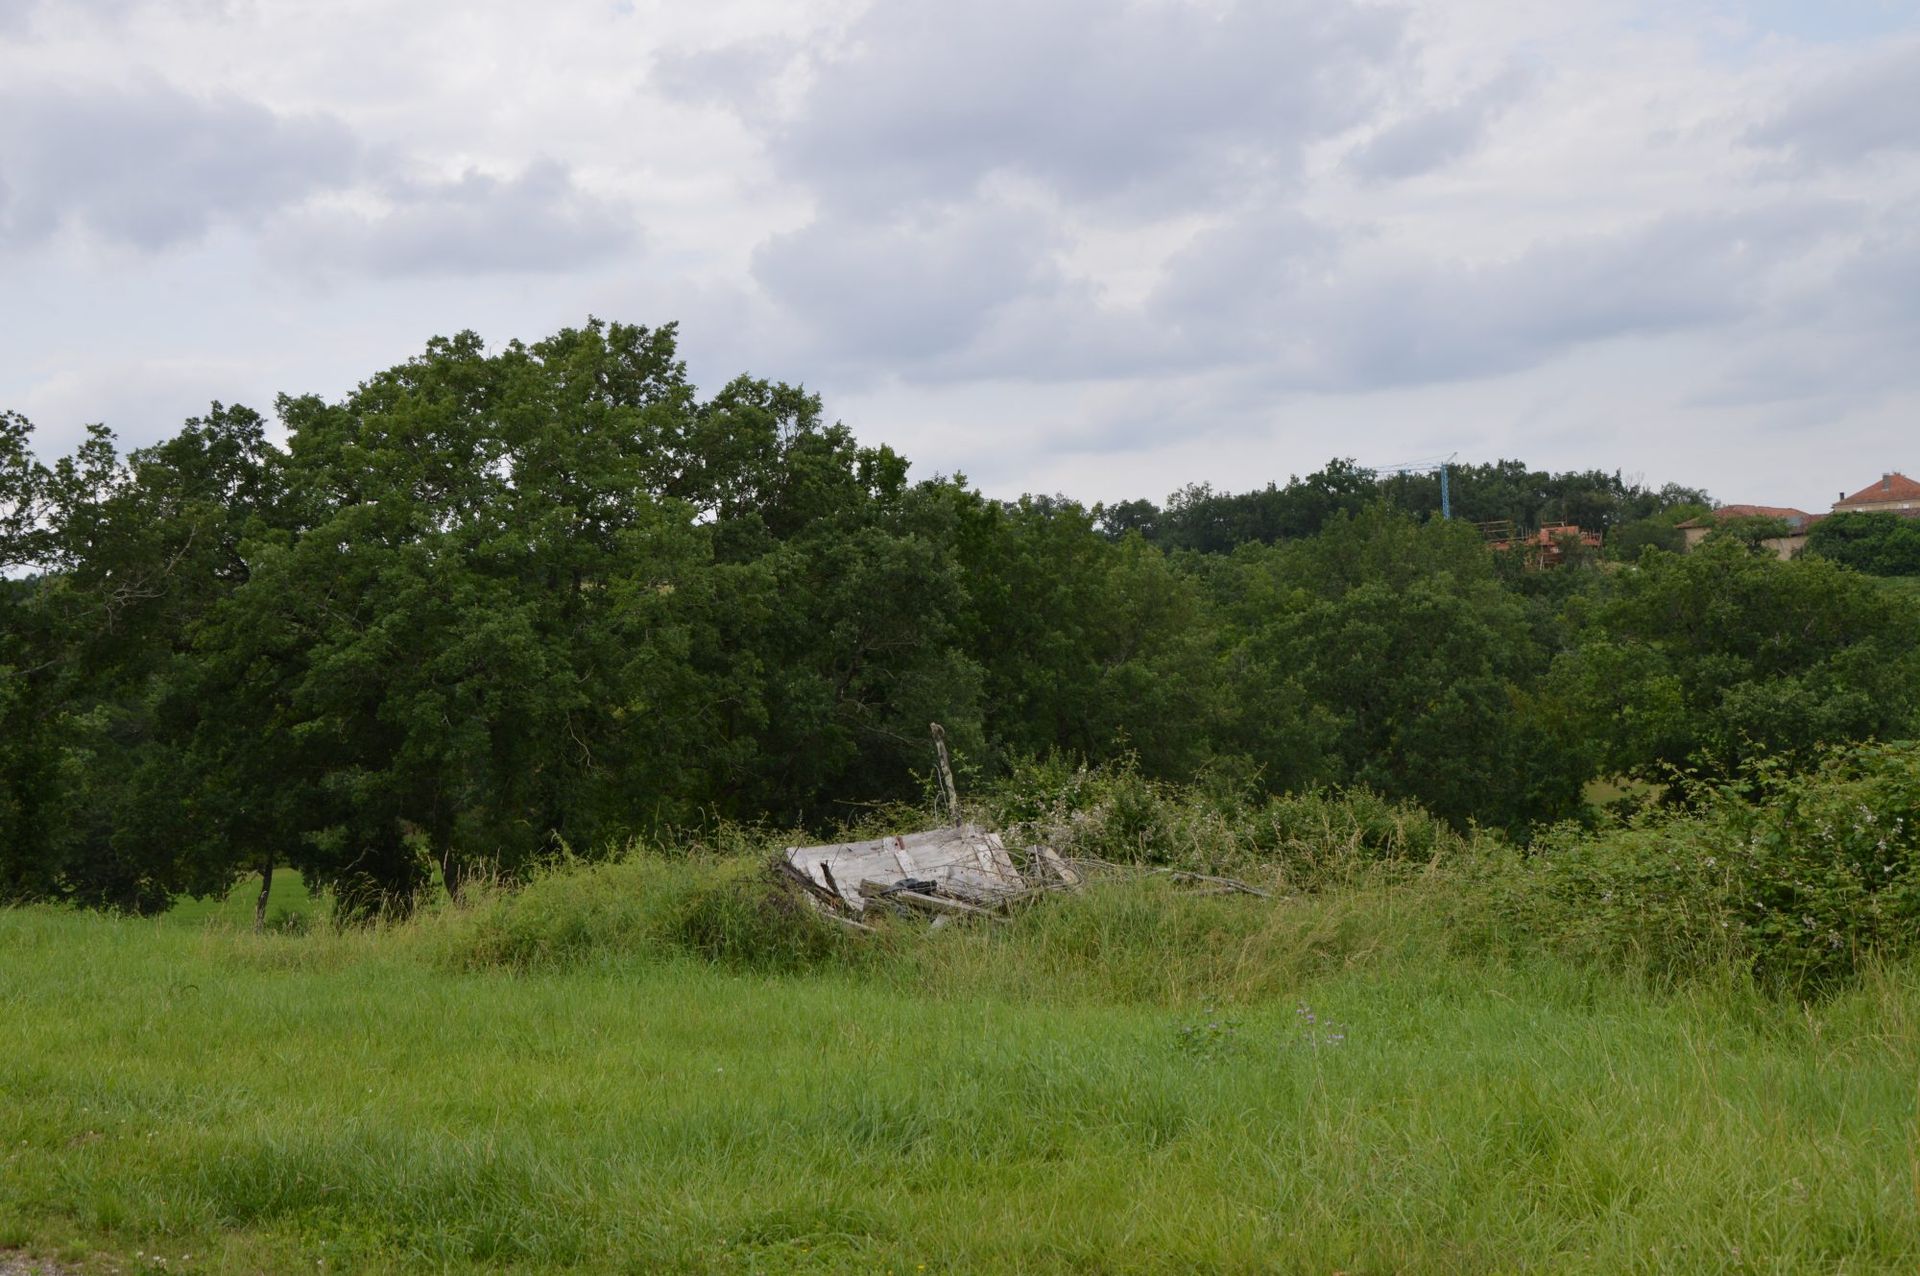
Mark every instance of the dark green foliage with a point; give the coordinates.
(1096, 647)
(1657, 531)
(1386, 653)
(134, 554)
(1751, 530)
(1880, 544)
(28, 759)
(1199, 518)
(1591, 499)
(24, 484)
(1701, 664)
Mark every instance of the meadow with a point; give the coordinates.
(637, 1066)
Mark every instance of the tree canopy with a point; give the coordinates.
(1879, 544)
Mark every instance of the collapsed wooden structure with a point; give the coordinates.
(959, 870)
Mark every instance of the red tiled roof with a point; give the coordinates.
(1760, 511)
(1894, 487)
(1796, 518)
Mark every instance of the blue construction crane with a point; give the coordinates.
(1431, 465)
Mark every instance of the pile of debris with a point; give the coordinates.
(960, 871)
(957, 871)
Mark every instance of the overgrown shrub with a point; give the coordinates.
(730, 911)
(1796, 878)
(1309, 838)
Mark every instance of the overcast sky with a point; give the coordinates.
(1082, 246)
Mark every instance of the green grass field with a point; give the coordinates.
(289, 905)
(1135, 1080)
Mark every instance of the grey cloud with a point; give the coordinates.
(142, 400)
(1275, 305)
(1061, 333)
(19, 15)
(1161, 102)
(740, 75)
(1879, 283)
(907, 289)
(153, 167)
(30, 16)
(1852, 332)
(1873, 107)
(540, 220)
(974, 293)
(1228, 278)
(913, 134)
(1345, 324)
(1426, 141)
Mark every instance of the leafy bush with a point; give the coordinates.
(1308, 838)
(1878, 543)
(1795, 878)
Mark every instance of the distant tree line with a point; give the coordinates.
(491, 605)
(1201, 519)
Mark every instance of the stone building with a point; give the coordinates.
(1895, 493)
(1695, 530)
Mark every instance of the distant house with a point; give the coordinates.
(1695, 530)
(1894, 493)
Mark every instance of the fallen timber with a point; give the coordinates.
(960, 871)
(963, 873)
(966, 863)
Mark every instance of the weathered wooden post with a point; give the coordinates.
(946, 773)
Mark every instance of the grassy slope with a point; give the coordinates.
(288, 904)
(1018, 1099)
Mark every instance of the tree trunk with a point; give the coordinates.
(266, 889)
(452, 872)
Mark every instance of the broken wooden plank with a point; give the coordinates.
(1229, 883)
(941, 904)
(898, 893)
(848, 922)
(814, 889)
(1059, 866)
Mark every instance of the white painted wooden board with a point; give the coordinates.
(968, 863)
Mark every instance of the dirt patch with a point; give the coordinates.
(13, 1264)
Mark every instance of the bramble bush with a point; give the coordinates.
(1797, 878)
(1310, 838)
